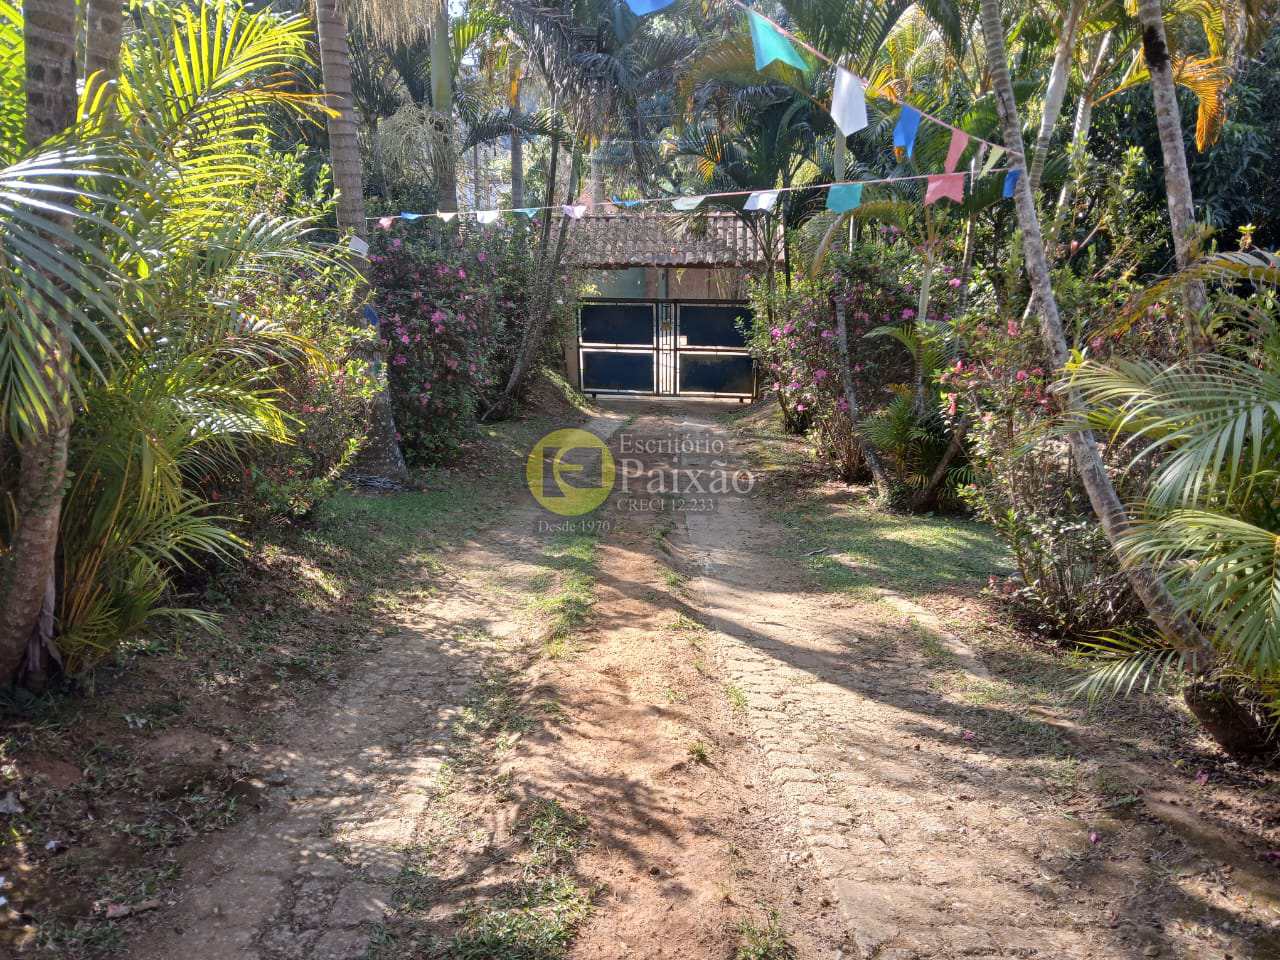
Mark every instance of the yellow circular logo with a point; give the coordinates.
(570, 472)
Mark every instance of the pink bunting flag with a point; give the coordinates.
(959, 140)
(574, 211)
(385, 222)
(949, 185)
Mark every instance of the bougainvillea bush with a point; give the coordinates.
(448, 305)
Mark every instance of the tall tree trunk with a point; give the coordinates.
(1177, 181)
(442, 103)
(517, 169)
(597, 177)
(381, 454)
(879, 476)
(1176, 626)
(104, 20)
(1079, 141)
(1056, 92)
(28, 585)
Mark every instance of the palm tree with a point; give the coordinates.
(27, 585)
(1177, 181)
(382, 454)
(1160, 604)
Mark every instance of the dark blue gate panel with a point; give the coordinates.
(713, 326)
(716, 373)
(611, 370)
(629, 323)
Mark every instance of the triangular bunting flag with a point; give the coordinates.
(574, 211)
(950, 185)
(359, 246)
(447, 216)
(904, 134)
(992, 159)
(770, 45)
(959, 140)
(848, 103)
(687, 203)
(526, 211)
(642, 8)
(761, 200)
(413, 216)
(843, 197)
(1011, 181)
(619, 202)
(486, 216)
(386, 222)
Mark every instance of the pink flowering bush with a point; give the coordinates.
(448, 306)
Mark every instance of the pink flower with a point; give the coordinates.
(404, 338)
(1013, 328)
(788, 328)
(482, 256)
(793, 385)
(462, 274)
(828, 334)
(801, 407)
(908, 313)
(775, 333)
(819, 376)
(1020, 376)
(954, 282)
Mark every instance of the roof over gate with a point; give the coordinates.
(621, 240)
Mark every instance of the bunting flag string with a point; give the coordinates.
(842, 196)
(782, 32)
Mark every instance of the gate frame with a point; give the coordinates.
(663, 310)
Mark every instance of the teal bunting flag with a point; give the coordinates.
(770, 45)
(843, 197)
(904, 134)
(628, 204)
(686, 203)
(526, 211)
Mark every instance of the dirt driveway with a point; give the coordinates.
(673, 738)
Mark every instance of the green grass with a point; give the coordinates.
(674, 579)
(854, 546)
(737, 698)
(699, 752)
(767, 942)
(569, 594)
(537, 917)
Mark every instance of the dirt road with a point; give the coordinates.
(671, 739)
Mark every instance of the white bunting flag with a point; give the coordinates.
(446, 217)
(358, 246)
(761, 200)
(848, 103)
(574, 211)
(686, 203)
(486, 216)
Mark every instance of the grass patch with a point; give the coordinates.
(674, 579)
(737, 698)
(699, 752)
(537, 917)
(861, 546)
(768, 942)
(566, 601)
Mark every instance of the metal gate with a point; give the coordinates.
(665, 348)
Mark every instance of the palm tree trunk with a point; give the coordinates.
(442, 103)
(104, 20)
(381, 455)
(28, 586)
(1055, 93)
(1175, 625)
(517, 169)
(1177, 181)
